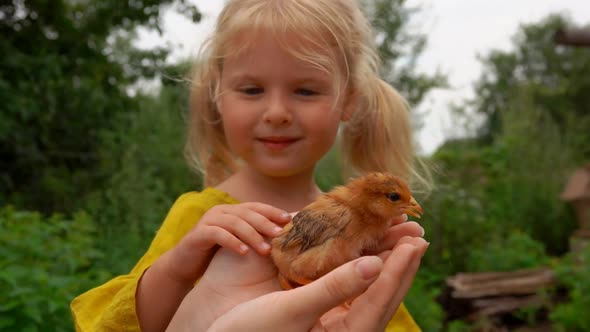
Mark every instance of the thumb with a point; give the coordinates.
(343, 283)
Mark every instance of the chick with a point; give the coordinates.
(339, 226)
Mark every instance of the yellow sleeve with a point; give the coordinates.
(111, 306)
(402, 321)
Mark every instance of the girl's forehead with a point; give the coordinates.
(308, 54)
(268, 57)
(309, 46)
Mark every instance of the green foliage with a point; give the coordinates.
(64, 76)
(558, 78)
(497, 205)
(457, 326)
(529, 163)
(501, 198)
(573, 272)
(399, 47)
(45, 262)
(145, 178)
(328, 172)
(516, 251)
(421, 301)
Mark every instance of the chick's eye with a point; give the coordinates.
(393, 197)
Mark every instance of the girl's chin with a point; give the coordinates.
(285, 171)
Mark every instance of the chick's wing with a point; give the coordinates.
(314, 227)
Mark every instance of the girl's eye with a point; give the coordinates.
(252, 90)
(306, 92)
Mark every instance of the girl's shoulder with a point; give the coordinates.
(206, 198)
(188, 209)
(198, 202)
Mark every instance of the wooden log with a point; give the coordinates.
(488, 307)
(520, 282)
(484, 276)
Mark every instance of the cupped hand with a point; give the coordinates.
(233, 279)
(377, 286)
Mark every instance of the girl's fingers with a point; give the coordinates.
(244, 231)
(270, 212)
(258, 220)
(225, 239)
(246, 222)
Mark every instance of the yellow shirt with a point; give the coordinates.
(111, 306)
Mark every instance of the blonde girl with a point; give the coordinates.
(278, 82)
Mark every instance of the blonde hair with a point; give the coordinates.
(377, 137)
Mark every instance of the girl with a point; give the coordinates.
(274, 85)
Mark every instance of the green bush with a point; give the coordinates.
(527, 167)
(328, 172)
(504, 191)
(515, 251)
(421, 301)
(573, 272)
(144, 173)
(45, 263)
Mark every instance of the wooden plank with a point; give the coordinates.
(503, 284)
(505, 304)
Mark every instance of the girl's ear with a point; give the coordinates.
(350, 105)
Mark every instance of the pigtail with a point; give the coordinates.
(206, 149)
(378, 136)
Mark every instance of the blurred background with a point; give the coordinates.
(92, 126)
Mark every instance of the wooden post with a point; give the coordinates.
(573, 37)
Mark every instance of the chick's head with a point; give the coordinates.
(386, 195)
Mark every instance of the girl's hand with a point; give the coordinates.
(237, 227)
(165, 284)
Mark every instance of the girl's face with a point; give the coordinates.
(280, 114)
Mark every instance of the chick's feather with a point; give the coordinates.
(339, 226)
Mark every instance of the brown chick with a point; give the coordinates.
(339, 226)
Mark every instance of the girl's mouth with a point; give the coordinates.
(277, 143)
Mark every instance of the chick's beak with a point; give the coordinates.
(413, 209)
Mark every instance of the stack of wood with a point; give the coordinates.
(489, 293)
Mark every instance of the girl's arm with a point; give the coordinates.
(158, 295)
(165, 284)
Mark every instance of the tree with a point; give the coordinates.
(63, 83)
(556, 76)
(400, 47)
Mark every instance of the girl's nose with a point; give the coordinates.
(277, 111)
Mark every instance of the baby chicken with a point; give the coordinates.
(339, 226)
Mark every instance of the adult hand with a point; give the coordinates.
(378, 286)
(232, 279)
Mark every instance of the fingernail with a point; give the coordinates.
(423, 231)
(243, 248)
(277, 230)
(265, 246)
(405, 217)
(369, 267)
(285, 215)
